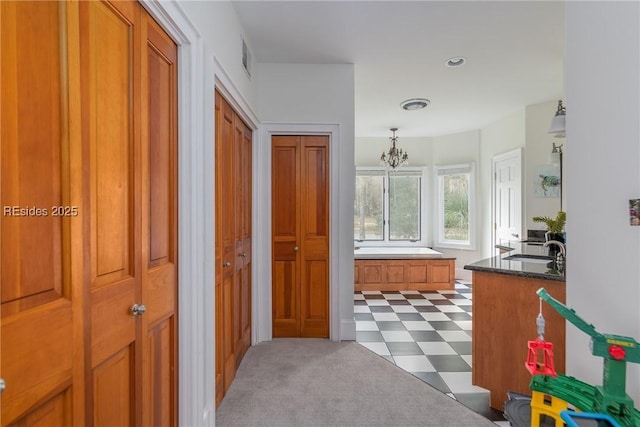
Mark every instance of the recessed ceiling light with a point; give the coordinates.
(415, 104)
(456, 61)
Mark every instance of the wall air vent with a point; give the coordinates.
(246, 58)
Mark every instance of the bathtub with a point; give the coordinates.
(370, 252)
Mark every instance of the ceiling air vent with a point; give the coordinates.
(415, 104)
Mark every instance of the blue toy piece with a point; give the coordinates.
(569, 416)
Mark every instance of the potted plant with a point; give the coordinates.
(555, 226)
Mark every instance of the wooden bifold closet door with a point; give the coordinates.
(89, 280)
(233, 242)
(300, 236)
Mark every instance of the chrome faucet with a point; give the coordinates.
(563, 250)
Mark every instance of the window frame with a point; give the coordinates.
(438, 173)
(423, 222)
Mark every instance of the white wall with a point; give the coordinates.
(308, 93)
(302, 95)
(369, 150)
(603, 173)
(539, 144)
(222, 35)
(500, 137)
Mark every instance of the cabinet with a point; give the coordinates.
(89, 150)
(233, 242)
(505, 308)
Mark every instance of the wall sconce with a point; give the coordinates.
(556, 154)
(558, 125)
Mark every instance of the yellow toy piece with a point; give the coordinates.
(546, 404)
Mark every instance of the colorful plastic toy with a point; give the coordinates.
(610, 398)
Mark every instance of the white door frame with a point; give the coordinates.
(262, 302)
(517, 153)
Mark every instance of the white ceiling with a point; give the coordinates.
(514, 52)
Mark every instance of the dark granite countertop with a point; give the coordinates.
(535, 268)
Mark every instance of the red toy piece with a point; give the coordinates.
(617, 352)
(540, 358)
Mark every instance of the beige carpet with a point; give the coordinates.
(312, 382)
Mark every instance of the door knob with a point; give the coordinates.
(296, 249)
(243, 254)
(226, 264)
(138, 310)
(3, 385)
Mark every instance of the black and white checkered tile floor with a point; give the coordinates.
(427, 334)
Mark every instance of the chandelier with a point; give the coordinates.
(395, 156)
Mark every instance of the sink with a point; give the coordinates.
(539, 259)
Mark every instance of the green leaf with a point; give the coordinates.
(553, 225)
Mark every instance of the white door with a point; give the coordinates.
(507, 198)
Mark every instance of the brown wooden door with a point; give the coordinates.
(242, 268)
(88, 138)
(42, 313)
(128, 69)
(159, 226)
(225, 246)
(233, 243)
(300, 233)
(110, 53)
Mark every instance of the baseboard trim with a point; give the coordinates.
(347, 330)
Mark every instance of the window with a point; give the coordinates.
(389, 205)
(369, 206)
(404, 207)
(455, 210)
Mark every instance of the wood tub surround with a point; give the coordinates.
(404, 274)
